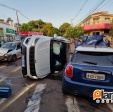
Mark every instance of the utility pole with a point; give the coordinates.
(18, 29)
(16, 15)
(72, 22)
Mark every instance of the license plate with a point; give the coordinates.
(23, 61)
(95, 76)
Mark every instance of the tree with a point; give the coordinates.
(36, 25)
(1, 19)
(25, 27)
(111, 30)
(32, 24)
(8, 19)
(74, 32)
(40, 24)
(16, 24)
(47, 29)
(63, 28)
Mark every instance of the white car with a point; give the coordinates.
(10, 51)
(42, 55)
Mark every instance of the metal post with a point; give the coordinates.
(18, 29)
(72, 22)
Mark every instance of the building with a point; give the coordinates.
(7, 31)
(97, 23)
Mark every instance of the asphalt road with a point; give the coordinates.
(41, 95)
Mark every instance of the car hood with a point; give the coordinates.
(3, 51)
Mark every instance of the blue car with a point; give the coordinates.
(90, 68)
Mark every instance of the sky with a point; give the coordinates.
(56, 12)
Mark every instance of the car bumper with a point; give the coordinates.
(6, 58)
(73, 87)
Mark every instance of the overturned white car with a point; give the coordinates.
(42, 55)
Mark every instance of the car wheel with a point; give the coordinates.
(14, 58)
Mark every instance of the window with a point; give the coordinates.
(94, 58)
(96, 33)
(107, 18)
(88, 22)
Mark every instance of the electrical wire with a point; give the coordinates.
(24, 15)
(97, 7)
(94, 9)
(104, 5)
(80, 9)
(109, 5)
(14, 10)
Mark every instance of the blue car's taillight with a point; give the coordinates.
(69, 71)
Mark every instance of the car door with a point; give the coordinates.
(18, 50)
(42, 58)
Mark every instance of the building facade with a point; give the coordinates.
(7, 31)
(97, 23)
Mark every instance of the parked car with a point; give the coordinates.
(90, 68)
(10, 51)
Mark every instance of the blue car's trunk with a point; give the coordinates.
(95, 75)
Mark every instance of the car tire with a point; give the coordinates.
(14, 58)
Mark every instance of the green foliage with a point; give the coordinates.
(74, 32)
(63, 28)
(25, 27)
(16, 24)
(47, 29)
(111, 30)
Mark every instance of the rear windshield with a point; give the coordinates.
(94, 58)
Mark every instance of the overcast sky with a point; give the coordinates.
(54, 11)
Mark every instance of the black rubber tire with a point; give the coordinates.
(14, 58)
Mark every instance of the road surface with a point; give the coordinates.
(43, 95)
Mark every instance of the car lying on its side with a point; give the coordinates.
(10, 51)
(42, 55)
(90, 68)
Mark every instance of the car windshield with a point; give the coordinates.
(19, 38)
(9, 45)
(94, 58)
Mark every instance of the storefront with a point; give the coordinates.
(7, 32)
(10, 34)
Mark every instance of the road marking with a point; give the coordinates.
(16, 97)
(1, 80)
(72, 104)
(2, 100)
(34, 103)
(2, 66)
(16, 69)
(110, 106)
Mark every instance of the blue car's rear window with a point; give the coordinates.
(93, 58)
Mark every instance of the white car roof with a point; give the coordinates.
(94, 49)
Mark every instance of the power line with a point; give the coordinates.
(80, 9)
(24, 15)
(8, 7)
(103, 5)
(14, 10)
(94, 9)
(98, 5)
(78, 12)
(109, 5)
